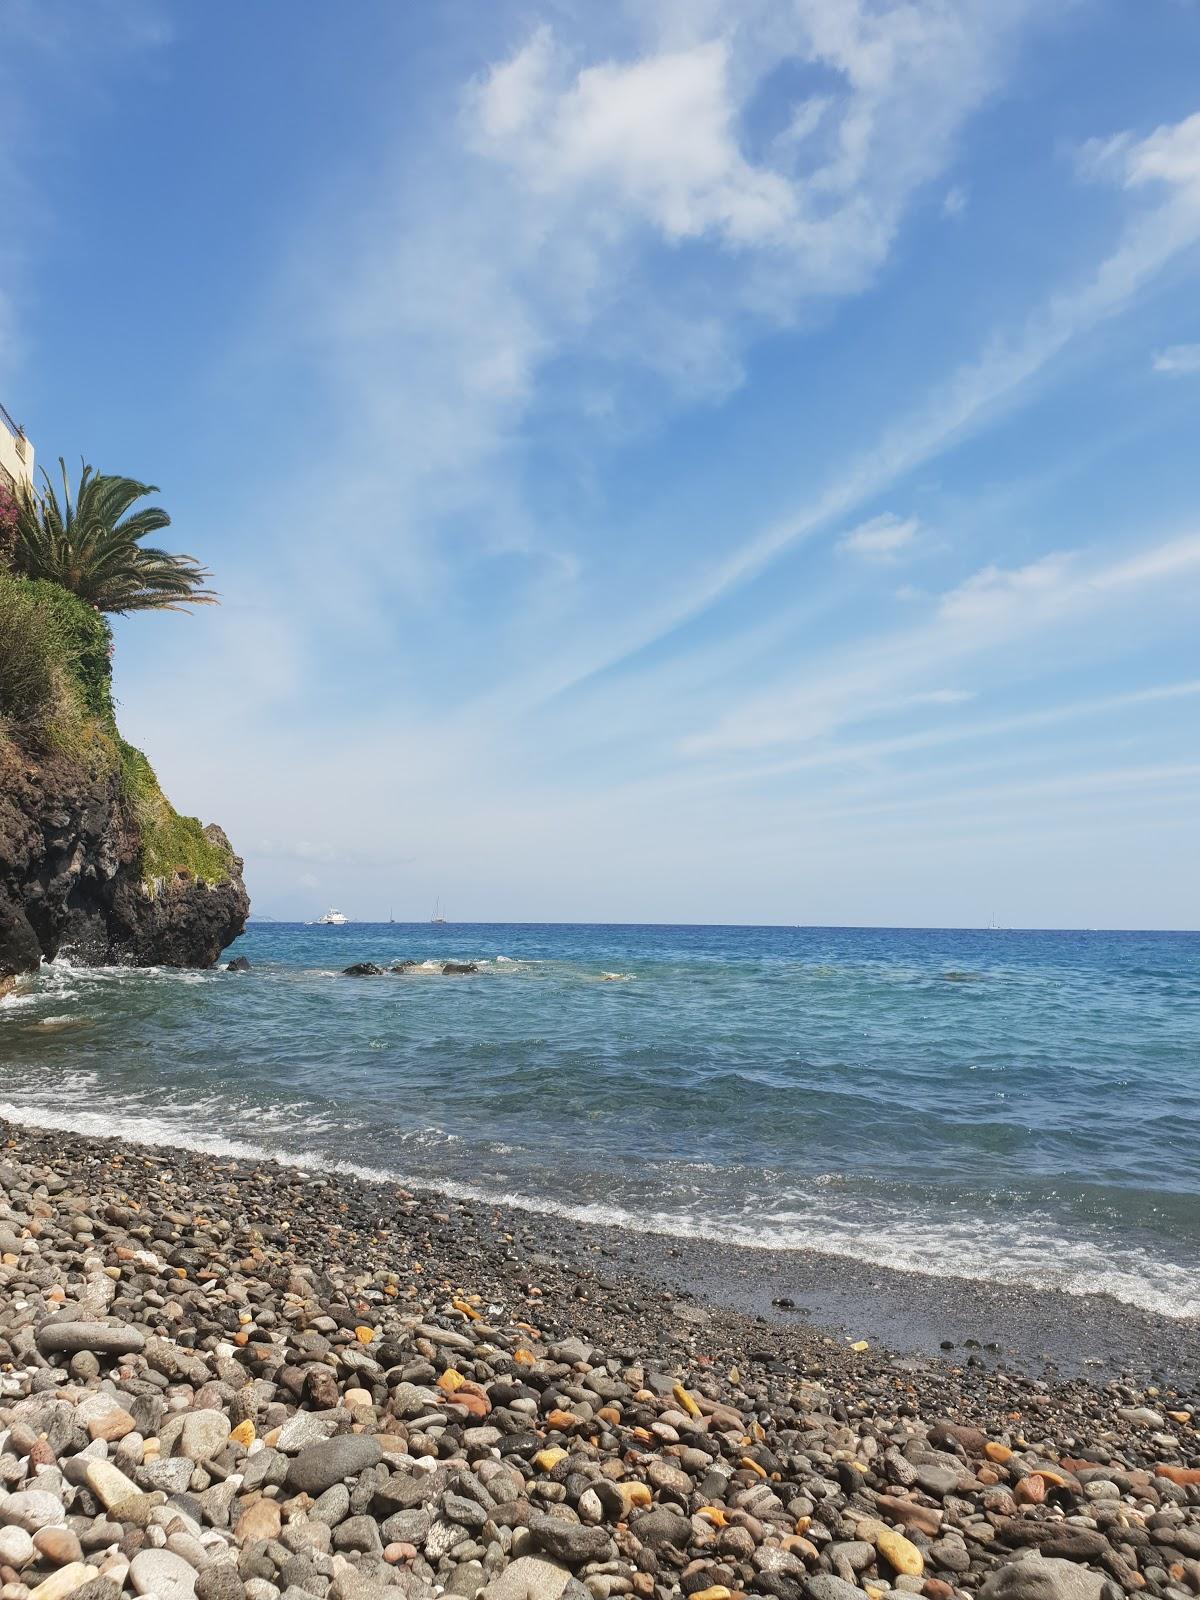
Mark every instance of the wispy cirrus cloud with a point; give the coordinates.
(1178, 359)
(1166, 165)
(612, 224)
(993, 607)
(602, 221)
(882, 539)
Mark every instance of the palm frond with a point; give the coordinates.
(92, 545)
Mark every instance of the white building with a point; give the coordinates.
(16, 454)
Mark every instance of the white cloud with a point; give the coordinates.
(870, 753)
(1178, 359)
(942, 697)
(994, 607)
(657, 135)
(1156, 234)
(881, 539)
(955, 202)
(995, 593)
(1170, 155)
(657, 138)
(594, 235)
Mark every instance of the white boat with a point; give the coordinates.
(331, 919)
(437, 913)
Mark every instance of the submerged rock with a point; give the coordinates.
(362, 969)
(458, 968)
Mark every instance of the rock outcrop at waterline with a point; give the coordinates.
(74, 874)
(94, 859)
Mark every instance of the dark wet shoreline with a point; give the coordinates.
(809, 1296)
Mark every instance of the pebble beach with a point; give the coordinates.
(235, 1380)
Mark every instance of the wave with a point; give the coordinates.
(1036, 1255)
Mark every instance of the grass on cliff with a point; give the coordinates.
(56, 699)
(55, 681)
(170, 843)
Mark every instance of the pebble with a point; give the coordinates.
(529, 1578)
(32, 1509)
(162, 1573)
(284, 1386)
(59, 1545)
(1045, 1579)
(319, 1466)
(108, 1483)
(99, 1338)
(900, 1552)
(67, 1580)
(16, 1547)
(204, 1433)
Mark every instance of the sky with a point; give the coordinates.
(689, 462)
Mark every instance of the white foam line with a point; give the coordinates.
(1180, 1301)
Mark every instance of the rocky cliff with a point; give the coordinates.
(72, 877)
(94, 860)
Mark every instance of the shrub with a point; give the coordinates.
(55, 656)
(32, 678)
(87, 644)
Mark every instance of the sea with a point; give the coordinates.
(1022, 1107)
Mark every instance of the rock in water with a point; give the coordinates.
(238, 964)
(362, 969)
(455, 969)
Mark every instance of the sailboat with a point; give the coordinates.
(437, 913)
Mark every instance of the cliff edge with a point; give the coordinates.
(94, 860)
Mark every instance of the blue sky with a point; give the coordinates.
(698, 462)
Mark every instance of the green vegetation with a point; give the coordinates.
(63, 564)
(54, 661)
(92, 546)
(170, 843)
(9, 512)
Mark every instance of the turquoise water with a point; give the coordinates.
(1009, 1105)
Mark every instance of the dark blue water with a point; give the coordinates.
(1018, 1106)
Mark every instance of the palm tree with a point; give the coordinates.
(93, 546)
